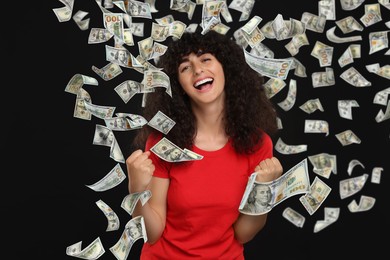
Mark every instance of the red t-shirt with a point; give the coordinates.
(202, 203)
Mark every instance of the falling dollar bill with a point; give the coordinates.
(345, 108)
(170, 152)
(353, 77)
(289, 101)
(312, 105)
(77, 81)
(352, 164)
(313, 199)
(161, 122)
(269, 67)
(294, 181)
(324, 164)
(111, 180)
(348, 137)
(284, 148)
(376, 175)
(351, 186)
(316, 126)
(331, 216)
(294, 217)
(112, 218)
(91, 252)
(134, 230)
(365, 204)
(130, 200)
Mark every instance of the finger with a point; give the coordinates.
(271, 165)
(142, 158)
(277, 163)
(265, 164)
(152, 168)
(133, 156)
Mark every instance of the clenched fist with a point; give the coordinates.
(268, 170)
(140, 170)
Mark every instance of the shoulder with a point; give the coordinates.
(265, 144)
(263, 150)
(152, 139)
(265, 138)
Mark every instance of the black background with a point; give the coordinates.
(50, 156)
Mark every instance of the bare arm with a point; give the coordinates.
(140, 170)
(246, 227)
(154, 211)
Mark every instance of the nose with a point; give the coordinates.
(197, 69)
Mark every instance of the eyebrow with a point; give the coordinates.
(185, 57)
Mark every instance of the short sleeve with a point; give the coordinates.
(161, 167)
(264, 151)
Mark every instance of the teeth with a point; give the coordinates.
(203, 81)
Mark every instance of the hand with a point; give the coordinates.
(268, 170)
(140, 170)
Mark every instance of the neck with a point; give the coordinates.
(210, 132)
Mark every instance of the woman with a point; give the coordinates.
(222, 113)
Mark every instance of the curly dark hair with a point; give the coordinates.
(248, 111)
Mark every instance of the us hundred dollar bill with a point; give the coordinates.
(294, 217)
(382, 96)
(91, 252)
(294, 181)
(170, 152)
(273, 86)
(353, 77)
(133, 231)
(331, 216)
(77, 81)
(300, 70)
(112, 217)
(351, 186)
(111, 180)
(348, 137)
(312, 105)
(376, 175)
(130, 200)
(349, 24)
(345, 108)
(324, 164)
(289, 101)
(269, 67)
(161, 122)
(365, 204)
(284, 148)
(352, 164)
(316, 126)
(350, 5)
(109, 71)
(313, 199)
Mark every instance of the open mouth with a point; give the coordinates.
(203, 83)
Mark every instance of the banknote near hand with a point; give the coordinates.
(294, 181)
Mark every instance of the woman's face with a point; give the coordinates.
(202, 78)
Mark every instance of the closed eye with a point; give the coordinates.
(184, 68)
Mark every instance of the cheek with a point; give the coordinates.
(184, 81)
(221, 75)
